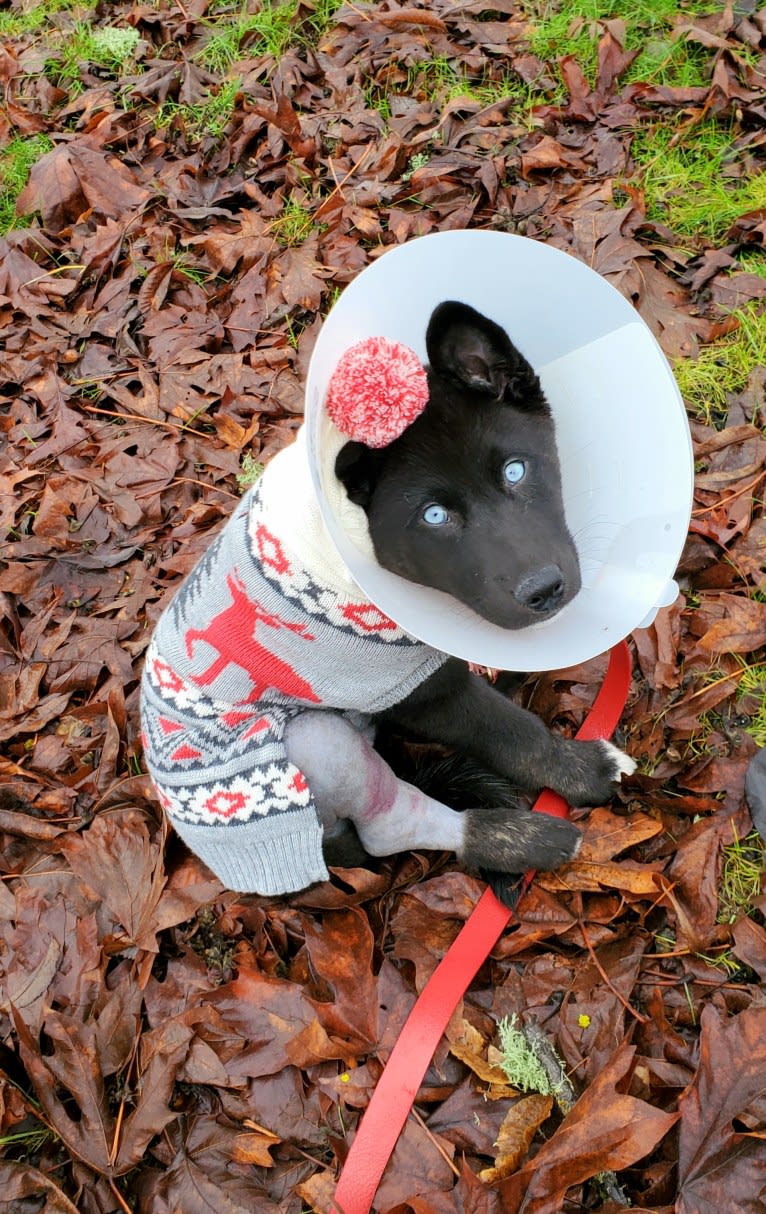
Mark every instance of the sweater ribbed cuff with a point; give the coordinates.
(270, 856)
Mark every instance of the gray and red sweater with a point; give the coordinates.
(267, 625)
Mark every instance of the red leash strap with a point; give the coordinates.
(408, 1062)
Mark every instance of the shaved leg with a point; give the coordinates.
(348, 779)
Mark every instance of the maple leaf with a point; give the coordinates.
(722, 1166)
(606, 1130)
(74, 178)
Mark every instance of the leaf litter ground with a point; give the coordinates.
(197, 202)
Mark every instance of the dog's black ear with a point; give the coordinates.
(465, 346)
(358, 467)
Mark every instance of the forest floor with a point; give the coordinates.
(184, 190)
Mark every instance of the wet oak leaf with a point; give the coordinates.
(632, 878)
(191, 1187)
(20, 1181)
(418, 1165)
(606, 834)
(227, 248)
(722, 1167)
(161, 1054)
(341, 950)
(607, 1130)
(471, 1118)
(750, 944)
(521, 1123)
(742, 629)
(75, 178)
(178, 336)
(546, 156)
(468, 1045)
(302, 278)
(71, 1066)
(664, 307)
(117, 858)
(691, 884)
(278, 1023)
(318, 1192)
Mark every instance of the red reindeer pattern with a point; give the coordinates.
(232, 634)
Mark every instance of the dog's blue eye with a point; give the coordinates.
(514, 471)
(435, 516)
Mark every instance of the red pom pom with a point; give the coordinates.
(376, 391)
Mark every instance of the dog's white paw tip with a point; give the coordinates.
(624, 764)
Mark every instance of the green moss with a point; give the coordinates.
(520, 1061)
(752, 683)
(250, 471)
(109, 48)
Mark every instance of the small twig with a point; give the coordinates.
(189, 480)
(149, 421)
(561, 1085)
(338, 187)
(120, 1199)
(628, 1008)
(414, 1113)
(724, 501)
(115, 1147)
(658, 979)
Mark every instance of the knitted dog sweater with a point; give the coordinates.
(267, 625)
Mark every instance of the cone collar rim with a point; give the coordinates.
(621, 426)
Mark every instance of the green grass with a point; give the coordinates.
(250, 471)
(442, 81)
(723, 366)
(109, 48)
(14, 25)
(575, 29)
(31, 1140)
(234, 36)
(247, 35)
(16, 160)
(744, 861)
(294, 224)
(753, 683)
(209, 117)
(686, 173)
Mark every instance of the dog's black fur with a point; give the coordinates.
(468, 500)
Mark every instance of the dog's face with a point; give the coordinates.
(468, 499)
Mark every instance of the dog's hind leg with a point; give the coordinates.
(348, 779)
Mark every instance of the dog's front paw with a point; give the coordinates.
(513, 840)
(587, 773)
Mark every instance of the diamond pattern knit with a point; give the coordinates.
(253, 637)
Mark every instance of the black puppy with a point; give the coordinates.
(468, 500)
(266, 670)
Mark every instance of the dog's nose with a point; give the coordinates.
(541, 591)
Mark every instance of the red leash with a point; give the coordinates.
(398, 1085)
